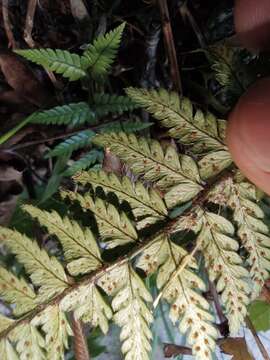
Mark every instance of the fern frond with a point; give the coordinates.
(56, 328)
(7, 351)
(29, 342)
(128, 126)
(89, 306)
(201, 132)
(183, 292)
(115, 228)
(69, 65)
(100, 55)
(75, 142)
(16, 291)
(241, 197)
(79, 245)
(132, 314)
(105, 104)
(72, 114)
(178, 176)
(224, 264)
(84, 162)
(5, 322)
(146, 205)
(45, 272)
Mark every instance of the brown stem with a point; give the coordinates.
(29, 22)
(257, 339)
(170, 46)
(7, 25)
(186, 13)
(81, 351)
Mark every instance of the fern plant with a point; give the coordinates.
(230, 241)
(93, 68)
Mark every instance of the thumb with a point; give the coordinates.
(252, 23)
(248, 134)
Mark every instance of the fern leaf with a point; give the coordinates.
(44, 271)
(224, 265)
(5, 322)
(56, 328)
(241, 197)
(84, 162)
(147, 205)
(178, 176)
(132, 314)
(7, 351)
(75, 142)
(29, 342)
(128, 126)
(69, 65)
(201, 132)
(89, 306)
(17, 292)
(80, 248)
(212, 164)
(114, 227)
(72, 114)
(100, 55)
(105, 104)
(183, 292)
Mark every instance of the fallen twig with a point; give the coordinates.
(257, 339)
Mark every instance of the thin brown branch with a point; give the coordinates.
(7, 25)
(170, 46)
(81, 351)
(186, 14)
(29, 22)
(106, 268)
(257, 339)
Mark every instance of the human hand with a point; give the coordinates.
(248, 134)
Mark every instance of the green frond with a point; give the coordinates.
(184, 293)
(100, 55)
(29, 342)
(201, 132)
(7, 351)
(105, 104)
(16, 291)
(228, 68)
(128, 126)
(213, 163)
(147, 205)
(132, 314)
(57, 330)
(84, 162)
(114, 227)
(75, 142)
(69, 65)
(73, 115)
(177, 175)
(89, 306)
(223, 263)
(241, 197)
(79, 245)
(45, 272)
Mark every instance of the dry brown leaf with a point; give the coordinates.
(236, 347)
(22, 79)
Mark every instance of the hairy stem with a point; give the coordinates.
(81, 351)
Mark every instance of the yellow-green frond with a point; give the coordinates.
(78, 243)
(45, 272)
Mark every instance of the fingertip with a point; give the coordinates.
(248, 134)
(252, 23)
